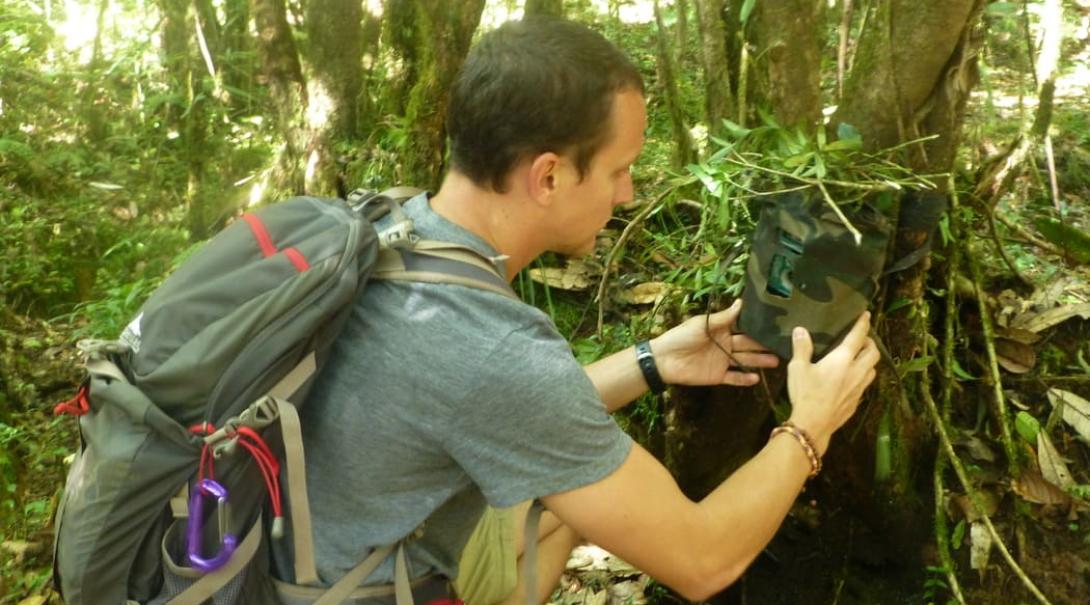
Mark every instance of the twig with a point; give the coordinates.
(947, 398)
(847, 224)
(1053, 184)
(1030, 237)
(1002, 251)
(993, 363)
(625, 234)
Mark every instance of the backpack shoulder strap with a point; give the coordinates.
(443, 263)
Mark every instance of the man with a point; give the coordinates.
(442, 403)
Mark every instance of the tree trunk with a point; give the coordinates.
(684, 149)
(719, 101)
(913, 72)
(283, 75)
(788, 60)
(433, 37)
(545, 7)
(236, 64)
(334, 82)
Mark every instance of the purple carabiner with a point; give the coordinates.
(195, 526)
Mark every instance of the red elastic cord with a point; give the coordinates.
(266, 461)
(76, 406)
(207, 459)
(296, 257)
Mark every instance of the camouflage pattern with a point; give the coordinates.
(805, 269)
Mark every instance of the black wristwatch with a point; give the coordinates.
(650, 370)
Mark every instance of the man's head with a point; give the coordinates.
(533, 86)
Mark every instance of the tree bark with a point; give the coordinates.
(788, 60)
(545, 7)
(719, 101)
(433, 37)
(684, 149)
(334, 82)
(283, 75)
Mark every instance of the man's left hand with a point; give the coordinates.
(686, 354)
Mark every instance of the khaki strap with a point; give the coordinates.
(443, 278)
(462, 256)
(529, 553)
(402, 193)
(403, 592)
(306, 571)
(210, 583)
(344, 587)
(179, 504)
(289, 384)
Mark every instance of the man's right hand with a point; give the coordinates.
(825, 394)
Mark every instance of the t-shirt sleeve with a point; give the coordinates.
(534, 425)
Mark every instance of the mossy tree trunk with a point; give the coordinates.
(912, 77)
(282, 73)
(788, 60)
(684, 148)
(432, 38)
(914, 70)
(719, 99)
(333, 60)
(544, 7)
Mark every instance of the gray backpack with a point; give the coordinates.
(190, 453)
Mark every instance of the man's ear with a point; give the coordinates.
(544, 176)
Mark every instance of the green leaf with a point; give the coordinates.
(747, 9)
(845, 132)
(901, 302)
(1027, 426)
(798, 160)
(1074, 241)
(961, 373)
(959, 535)
(844, 145)
(735, 129)
(916, 365)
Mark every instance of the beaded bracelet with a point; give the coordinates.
(805, 441)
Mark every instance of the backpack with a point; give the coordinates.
(189, 427)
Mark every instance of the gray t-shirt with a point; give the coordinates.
(437, 399)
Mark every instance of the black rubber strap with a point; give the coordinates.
(650, 370)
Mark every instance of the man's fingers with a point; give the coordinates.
(856, 338)
(741, 342)
(801, 345)
(756, 360)
(741, 379)
(726, 317)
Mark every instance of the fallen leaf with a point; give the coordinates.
(1076, 410)
(980, 541)
(1014, 356)
(988, 500)
(978, 449)
(1053, 467)
(645, 294)
(33, 600)
(1020, 335)
(577, 275)
(597, 598)
(1032, 487)
(1036, 322)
